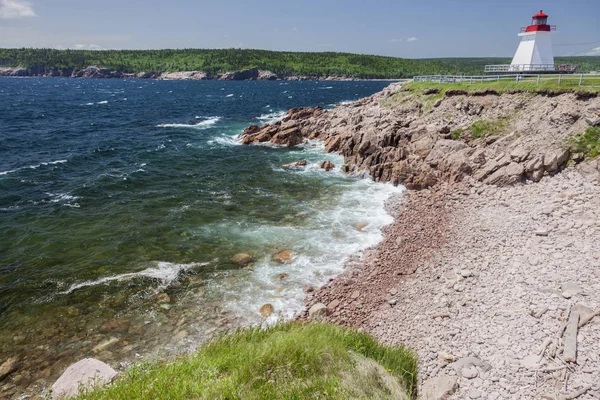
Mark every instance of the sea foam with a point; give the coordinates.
(207, 123)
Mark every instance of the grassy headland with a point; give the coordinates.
(287, 361)
(279, 62)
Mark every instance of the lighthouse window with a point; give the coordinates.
(540, 21)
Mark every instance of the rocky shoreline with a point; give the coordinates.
(492, 263)
(253, 74)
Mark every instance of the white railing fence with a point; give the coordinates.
(579, 79)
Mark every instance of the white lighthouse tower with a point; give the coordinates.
(535, 50)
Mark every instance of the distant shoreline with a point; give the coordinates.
(91, 72)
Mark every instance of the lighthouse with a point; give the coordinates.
(535, 50)
(534, 54)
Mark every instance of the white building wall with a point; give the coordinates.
(535, 48)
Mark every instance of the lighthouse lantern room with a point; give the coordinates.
(535, 50)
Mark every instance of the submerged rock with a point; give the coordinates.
(242, 259)
(295, 165)
(8, 367)
(88, 372)
(284, 256)
(266, 310)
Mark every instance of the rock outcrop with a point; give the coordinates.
(419, 139)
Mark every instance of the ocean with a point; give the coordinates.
(122, 203)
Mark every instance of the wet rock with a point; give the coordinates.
(360, 227)
(242, 259)
(295, 165)
(438, 388)
(282, 276)
(88, 372)
(266, 310)
(284, 256)
(327, 165)
(308, 289)
(9, 366)
(317, 312)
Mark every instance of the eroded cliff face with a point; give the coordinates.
(419, 138)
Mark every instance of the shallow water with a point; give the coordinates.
(123, 201)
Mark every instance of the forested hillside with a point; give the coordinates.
(227, 60)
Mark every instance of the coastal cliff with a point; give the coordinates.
(419, 137)
(493, 255)
(252, 74)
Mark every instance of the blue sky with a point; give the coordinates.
(401, 28)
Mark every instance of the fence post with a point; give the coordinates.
(517, 78)
(559, 78)
(471, 81)
(538, 79)
(580, 79)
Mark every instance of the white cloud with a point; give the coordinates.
(295, 29)
(412, 39)
(592, 52)
(395, 40)
(88, 47)
(15, 9)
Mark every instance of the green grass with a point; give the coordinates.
(456, 134)
(485, 127)
(587, 143)
(287, 361)
(568, 83)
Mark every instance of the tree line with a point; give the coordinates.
(321, 64)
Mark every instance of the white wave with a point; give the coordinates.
(232, 140)
(89, 104)
(102, 102)
(163, 272)
(332, 231)
(229, 95)
(200, 125)
(61, 197)
(272, 117)
(44, 164)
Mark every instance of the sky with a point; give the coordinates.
(398, 28)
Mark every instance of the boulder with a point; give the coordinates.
(507, 175)
(88, 372)
(519, 154)
(438, 388)
(317, 312)
(442, 149)
(284, 256)
(242, 259)
(266, 310)
(589, 170)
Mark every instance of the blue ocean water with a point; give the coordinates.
(123, 201)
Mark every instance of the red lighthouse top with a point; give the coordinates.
(539, 24)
